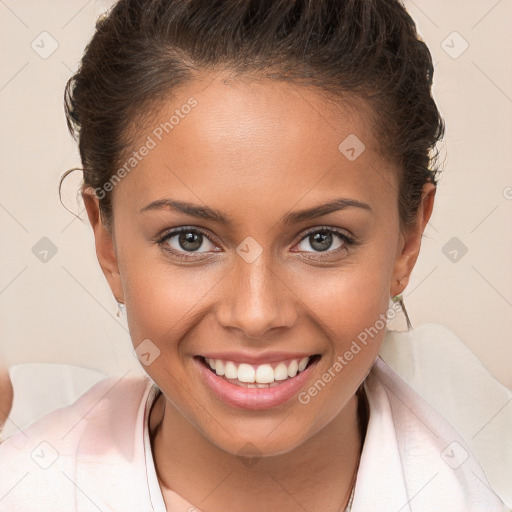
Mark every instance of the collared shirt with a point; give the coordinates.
(95, 454)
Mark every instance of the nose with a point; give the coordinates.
(256, 299)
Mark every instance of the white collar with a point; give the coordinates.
(155, 493)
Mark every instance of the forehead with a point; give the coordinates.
(215, 136)
(258, 109)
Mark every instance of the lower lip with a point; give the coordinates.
(253, 398)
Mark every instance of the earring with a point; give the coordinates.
(399, 298)
(120, 307)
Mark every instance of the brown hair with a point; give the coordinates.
(144, 49)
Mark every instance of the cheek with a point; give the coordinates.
(349, 299)
(162, 300)
(349, 306)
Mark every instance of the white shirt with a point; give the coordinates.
(95, 454)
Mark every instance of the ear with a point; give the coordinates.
(105, 244)
(410, 242)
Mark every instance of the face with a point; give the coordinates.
(250, 264)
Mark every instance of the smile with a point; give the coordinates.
(259, 376)
(254, 395)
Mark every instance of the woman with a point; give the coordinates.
(258, 176)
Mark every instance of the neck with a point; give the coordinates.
(317, 475)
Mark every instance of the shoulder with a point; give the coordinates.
(434, 457)
(95, 431)
(103, 402)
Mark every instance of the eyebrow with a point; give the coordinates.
(205, 212)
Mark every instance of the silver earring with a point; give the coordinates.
(399, 298)
(120, 307)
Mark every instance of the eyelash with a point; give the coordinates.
(346, 239)
(181, 255)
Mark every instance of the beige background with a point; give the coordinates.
(61, 310)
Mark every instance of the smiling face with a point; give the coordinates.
(252, 273)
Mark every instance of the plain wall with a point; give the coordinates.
(61, 310)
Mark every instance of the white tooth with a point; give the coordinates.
(219, 367)
(293, 368)
(246, 373)
(281, 372)
(264, 374)
(261, 386)
(230, 371)
(303, 363)
(250, 386)
(211, 362)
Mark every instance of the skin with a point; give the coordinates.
(256, 151)
(6, 396)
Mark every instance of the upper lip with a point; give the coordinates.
(267, 357)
